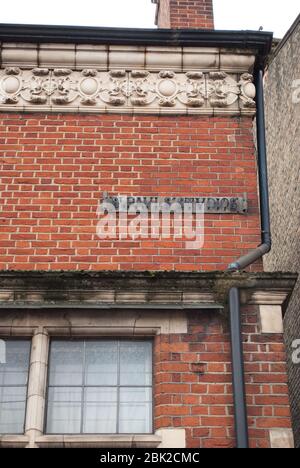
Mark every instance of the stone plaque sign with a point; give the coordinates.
(214, 205)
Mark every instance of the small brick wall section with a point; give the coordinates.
(193, 387)
(55, 168)
(186, 14)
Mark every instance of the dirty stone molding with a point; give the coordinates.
(140, 290)
(119, 79)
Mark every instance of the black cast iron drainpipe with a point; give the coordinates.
(266, 244)
(238, 374)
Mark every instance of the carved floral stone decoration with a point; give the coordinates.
(137, 89)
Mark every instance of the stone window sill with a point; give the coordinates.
(82, 441)
(13, 441)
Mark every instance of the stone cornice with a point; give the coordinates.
(115, 57)
(126, 79)
(165, 290)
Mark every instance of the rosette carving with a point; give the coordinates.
(137, 89)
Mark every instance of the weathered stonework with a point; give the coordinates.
(282, 96)
(126, 80)
(271, 320)
(282, 439)
(133, 290)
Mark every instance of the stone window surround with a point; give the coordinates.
(34, 436)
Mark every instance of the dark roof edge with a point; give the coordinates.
(258, 40)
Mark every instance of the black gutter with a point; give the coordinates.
(266, 244)
(261, 41)
(238, 374)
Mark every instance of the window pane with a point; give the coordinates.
(15, 370)
(135, 410)
(136, 363)
(12, 409)
(101, 363)
(100, 411)
(14, 366)
(98, 387)
(64, 410)
(66, 363)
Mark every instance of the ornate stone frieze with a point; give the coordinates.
(138, 91)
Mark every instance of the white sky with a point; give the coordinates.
(273, 15)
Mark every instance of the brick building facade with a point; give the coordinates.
(88, 114)
(68, 161)
(283, 114)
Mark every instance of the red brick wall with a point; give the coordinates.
(54, 169)
(186, 14)
(193, 382)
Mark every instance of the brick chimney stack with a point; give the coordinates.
(184, 14)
